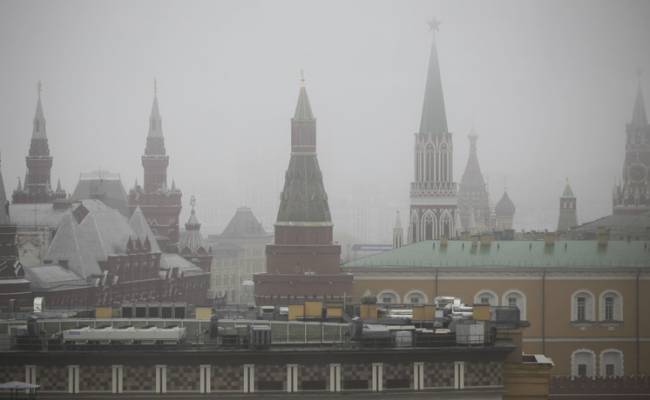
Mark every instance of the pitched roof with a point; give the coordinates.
(568, 193)
(505, 206)
(619, 225)
(53, 277)
(87, 235)
(142, 230)
(155, 121)
(434, 117)
(243, 223)
(509, 254)
(170, 260)
(37, 214)
(104, 186)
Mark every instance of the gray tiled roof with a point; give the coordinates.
(104, 186)
(619, 225)
(53, 277)
(85, 243)
(304, 198)
(170, 260)
(142, 230)
(243, 223)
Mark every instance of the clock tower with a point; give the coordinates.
(633, 195)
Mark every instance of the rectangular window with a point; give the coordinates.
(161, 379)
(73, 379)
(204, 378)
(485, 300)
(609, 308)
(609, 370)
(118, 378)
(582, 370)
(415, 300)
(387, 300)
(582, 308)
(512, 301)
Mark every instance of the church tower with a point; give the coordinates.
(568, 212)
(160, 205)
(473, 198)
(398, 233)
(633, 195)
(37, 187)
(433, 191)
(191, 245)
(303, 262)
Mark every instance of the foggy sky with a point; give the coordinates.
(548, 87)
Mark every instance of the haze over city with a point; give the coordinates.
(547, 86)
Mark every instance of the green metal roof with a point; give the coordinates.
(571, 253)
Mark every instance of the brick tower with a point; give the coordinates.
(160, 205)
(303, 262)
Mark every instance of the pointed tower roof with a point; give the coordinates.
(39, 131)
(4, 204)
(472, 179)
(434, 117)
(243, 223)
(142, 230)
(192, 240)
(505, 206)
(304, 199)
(303, 108)
(639, 117)
(568, 193)
(155, 121)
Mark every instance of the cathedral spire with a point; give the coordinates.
(639, 117)
(303, 124)
(4, 204)
(155, 121)
(434, 119)
(39, 131)
(303, 108)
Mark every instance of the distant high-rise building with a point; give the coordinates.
(161, 205)
(433, 191)
(37, 187)
(303, 262)
(398, 233)
(633, 195)
(473, 197)
(504, 213)
(568, 212)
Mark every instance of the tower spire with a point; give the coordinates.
(155, 121)
(39, 131)
(434, 119)
(639, 117)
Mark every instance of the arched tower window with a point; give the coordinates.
(388, 297)
(415, 297)
(444, 160)
(428, 224)
(515, 298)
(429, 163)
(486, 296)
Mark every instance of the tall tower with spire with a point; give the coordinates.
(633, 195)
(473, 197)
(160, 204)
(568, 211)
(433, 191)
(303, 262)
(37, 186)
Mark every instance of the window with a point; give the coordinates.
(415, 297)
(583, 363)
(388, 297)
(582, 306)
(486, 296)
(516, 298)
(611, 363)
(611, 306)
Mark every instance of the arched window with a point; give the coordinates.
(414, 227)
(446, 230)
(611, 363)
(611, 306)
(444, 157)
(515, 298)
(486, 296)
(429, 163)
(428, 224)
(582, 306)
(388, 297)
(583, 363)
(415, 297)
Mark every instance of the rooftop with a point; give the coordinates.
(572, 253)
